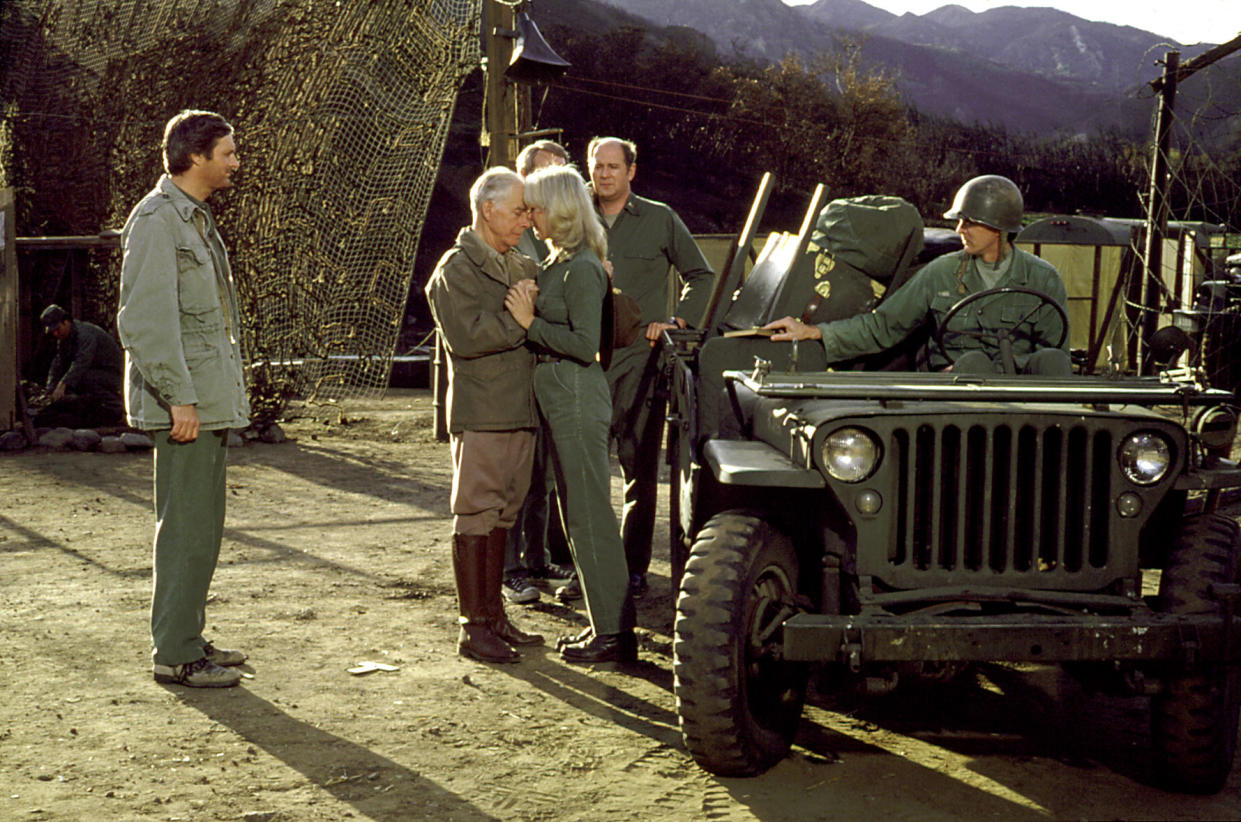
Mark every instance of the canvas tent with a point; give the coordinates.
(1100, 261)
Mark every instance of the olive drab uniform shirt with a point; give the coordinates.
(645, 238)
(934, 290)
(569, 308)
(489, 366)
(178, 319)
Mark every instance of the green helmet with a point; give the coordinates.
(991, 200)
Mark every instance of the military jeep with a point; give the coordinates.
(875, 524)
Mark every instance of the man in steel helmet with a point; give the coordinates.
(988, 213)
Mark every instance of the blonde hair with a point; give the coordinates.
(572, 223)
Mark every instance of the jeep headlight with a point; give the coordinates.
(849, 454)
(1145, 457)
(1216, 429)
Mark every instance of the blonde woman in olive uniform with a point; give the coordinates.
(562, 316)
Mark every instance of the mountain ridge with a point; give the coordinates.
(1024, 68)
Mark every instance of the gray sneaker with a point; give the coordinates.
(518, 590)
(200, 674)
(224, 656)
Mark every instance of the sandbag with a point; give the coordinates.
(859, 247)
(869, 233)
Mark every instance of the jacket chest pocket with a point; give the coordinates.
(552, 308)
(1020, 308)
(640, 272)
(197, 291)
(942, 302)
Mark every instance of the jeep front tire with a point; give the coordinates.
(1194, 719)
(738, 700)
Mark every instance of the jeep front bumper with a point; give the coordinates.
(1141, 637)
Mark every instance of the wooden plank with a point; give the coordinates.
(105, 239)
(8, 310)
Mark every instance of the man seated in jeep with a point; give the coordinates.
(1017, 315)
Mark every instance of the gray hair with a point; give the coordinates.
(492, 185)
(525, 160)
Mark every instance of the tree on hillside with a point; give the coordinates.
(707, 127)
(780, 118)
(831, 120)
(871, 135)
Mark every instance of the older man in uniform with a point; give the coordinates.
(491, 410)
(645, 237)
(181, 329)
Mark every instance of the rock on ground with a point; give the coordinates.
(85, 439)
(13, 441)
(112, 445)
(56, 438)
(133, 439)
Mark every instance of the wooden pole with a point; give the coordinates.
(500, 129)
(9, 291)
(1194, 64)
(1157, 214)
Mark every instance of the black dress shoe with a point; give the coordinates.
(638, 586)
(622, 647)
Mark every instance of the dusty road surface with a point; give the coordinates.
(336, 553)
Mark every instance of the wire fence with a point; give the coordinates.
(341, 112)
(1202, 206)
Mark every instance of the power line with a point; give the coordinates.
(651, 89)
(736, 120)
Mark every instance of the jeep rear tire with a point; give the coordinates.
(1194, 720)
(738, 701)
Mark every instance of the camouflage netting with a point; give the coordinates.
(341, 111)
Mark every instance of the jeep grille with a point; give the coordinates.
(983, 502)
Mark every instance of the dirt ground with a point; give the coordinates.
(335, 553)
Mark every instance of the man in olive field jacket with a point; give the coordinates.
(491, 411)
(180, 327)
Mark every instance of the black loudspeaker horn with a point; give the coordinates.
(533, 60)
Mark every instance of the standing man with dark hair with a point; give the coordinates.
(84, 381)
(181, 329)
(645, 237)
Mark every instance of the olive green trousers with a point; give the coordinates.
(575, 404)
(189, 524)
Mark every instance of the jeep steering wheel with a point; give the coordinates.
(1003, 337)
